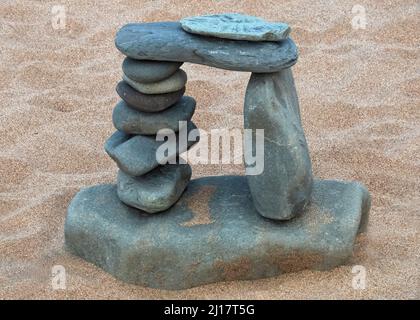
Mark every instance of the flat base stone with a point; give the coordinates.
(213, 233)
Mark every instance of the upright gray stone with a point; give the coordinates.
(169, 42)
(283, 189)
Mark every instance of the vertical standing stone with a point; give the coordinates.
(284, 187)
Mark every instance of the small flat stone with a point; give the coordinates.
(236, 26)
(174, 83)
(132, 121)
(136, 155)
(147, 102)
(169, 42)
(147, 71)
(214, 233)
(155, 191)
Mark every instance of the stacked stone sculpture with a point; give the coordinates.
(152, 102)
(257, 226)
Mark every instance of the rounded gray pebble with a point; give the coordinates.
(148, 71)
(132, 121)
(147, 102)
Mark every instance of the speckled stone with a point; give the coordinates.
(236, 26)
(132, 121)
(147, 71)
(147, 102)
(174, 83)
(155, 191)
(214, 234)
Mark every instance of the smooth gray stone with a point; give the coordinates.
(136, 155)
(168, 41)
(132, 121)
(147, 102)
(155, 191)
(174, 83)
(283, 189)
(147, 71)
(236, 26)
(177, 250)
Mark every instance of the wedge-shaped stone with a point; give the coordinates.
(214, 234)
(156, 190)
(132, 121)
(137, 155)
(168, 41)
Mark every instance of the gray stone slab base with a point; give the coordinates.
(214, 234)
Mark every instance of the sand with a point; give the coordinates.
(359, 92)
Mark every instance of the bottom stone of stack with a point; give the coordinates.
(213, 233)
(155, 191)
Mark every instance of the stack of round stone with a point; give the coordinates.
(153, 101)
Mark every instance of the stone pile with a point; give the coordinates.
(262, 225)
(153, 102)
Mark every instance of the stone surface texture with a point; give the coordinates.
(283, 189)
(169, 42)
(236, 26)
(132, 121)
(155, 191)
(179, 249)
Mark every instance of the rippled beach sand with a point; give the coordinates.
(359, 94)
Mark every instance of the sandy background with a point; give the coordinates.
(359, 92)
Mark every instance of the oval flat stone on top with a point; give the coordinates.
(174, 83)
(237, 27)
(132, 121)
(149, 71)
(147, 102)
